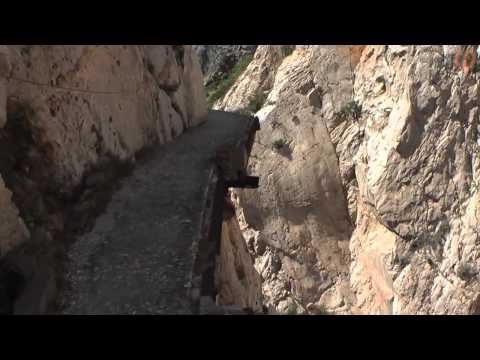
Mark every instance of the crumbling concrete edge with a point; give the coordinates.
(206, 246)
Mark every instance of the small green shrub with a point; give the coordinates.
(292, 310)
(256, 102)
(278, 144)
(352, 110)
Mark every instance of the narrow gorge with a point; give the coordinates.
(239, 179)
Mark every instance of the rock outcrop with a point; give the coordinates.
(368, 160)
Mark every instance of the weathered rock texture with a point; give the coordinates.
(368, 201)
(236, 278)
(76, 107)
(217, 60)
(417, 233)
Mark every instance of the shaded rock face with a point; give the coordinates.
(236, 278)
(68, 116)
(13, 230)
(368, 196)
(217, 60)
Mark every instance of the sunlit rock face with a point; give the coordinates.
(368, 202)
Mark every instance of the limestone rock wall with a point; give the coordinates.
(369, 167)
(418, 167)
(66, 109)
(298, 225)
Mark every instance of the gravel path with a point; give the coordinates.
(138, 257)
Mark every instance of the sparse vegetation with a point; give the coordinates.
(465, 271)
(292, 310)
(256, 102)
(278, 144)
(352, 110)
(217, 89)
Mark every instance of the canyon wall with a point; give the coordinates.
(65, 110)
(368, 201)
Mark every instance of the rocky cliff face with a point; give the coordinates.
(70, 113)
(368, 160)
(217, 60)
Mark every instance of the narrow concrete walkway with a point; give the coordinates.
(138, 258)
